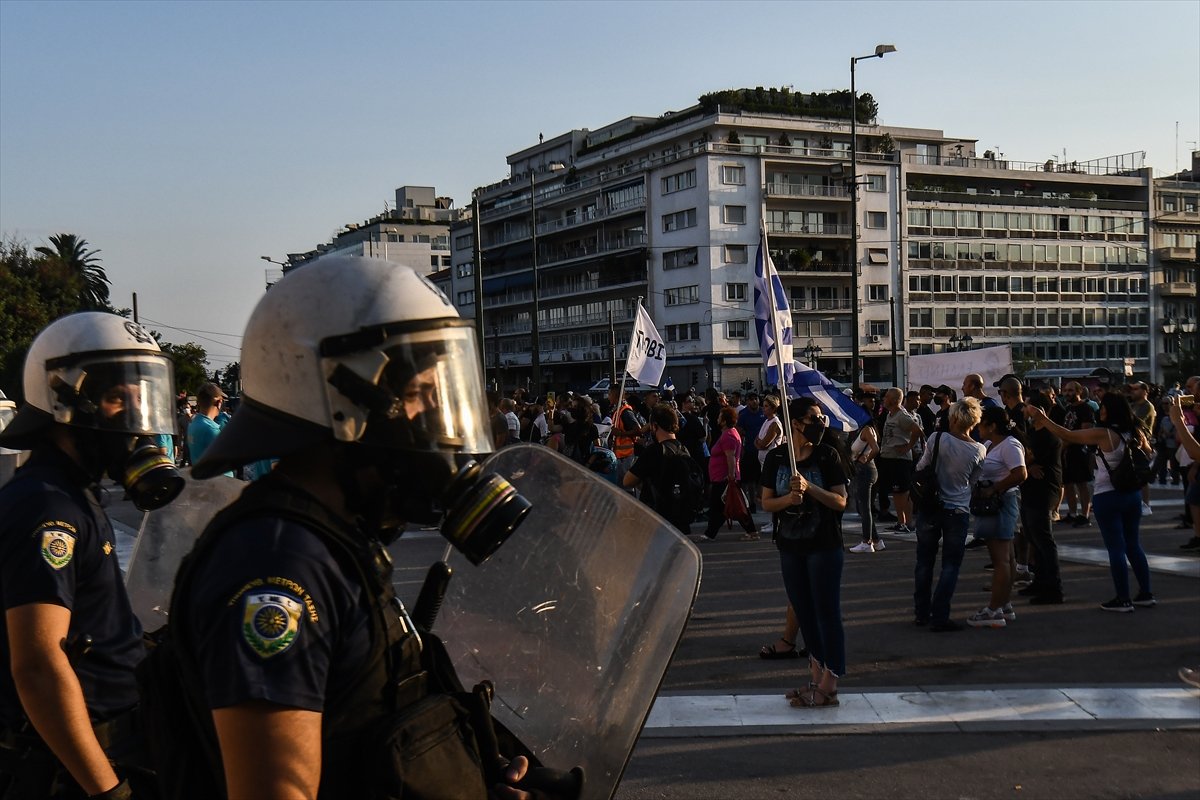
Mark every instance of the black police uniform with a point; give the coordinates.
(285, 603)
(57, 547)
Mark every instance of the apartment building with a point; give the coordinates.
(1175, 228)
(416, 232)
(1050, 258)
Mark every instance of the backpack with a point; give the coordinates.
(679, 486)
(1132, 472)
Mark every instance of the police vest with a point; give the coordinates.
(376, 731)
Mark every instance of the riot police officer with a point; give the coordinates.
(304, 675)
(97, 389)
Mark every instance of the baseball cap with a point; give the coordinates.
(1003, 378)
(208, 393)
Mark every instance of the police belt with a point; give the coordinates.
(121, 728)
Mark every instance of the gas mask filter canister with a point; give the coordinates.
(482, 511)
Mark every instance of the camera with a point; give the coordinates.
(1187, 400)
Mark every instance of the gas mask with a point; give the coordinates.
(114, 404)
(412, 402)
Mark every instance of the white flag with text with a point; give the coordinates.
(647, 352)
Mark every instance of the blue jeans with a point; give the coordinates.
(1119, 515)
(813, 582)
(949, 526)
(864, 481)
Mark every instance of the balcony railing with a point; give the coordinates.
(1179, 289)
(807, 190)
(559, 255)
(1176, 253)
(807, 229)
(1024, 200)
(829, 267)
(1126, 165)
(810, 305)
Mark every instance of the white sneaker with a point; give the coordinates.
(987, 618)
(879, 545)
(1009, 614)
(862, 547)
(1146, 510)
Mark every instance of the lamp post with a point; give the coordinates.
(812, 351)
(855, 356)
(283, 265)
(960, 343)
(1178, 329)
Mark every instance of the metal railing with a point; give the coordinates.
(1024, 200)
(1125, 165)
(807, 229)
(806, 190)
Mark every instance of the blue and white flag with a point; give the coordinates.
(764, 275)
(844, 414)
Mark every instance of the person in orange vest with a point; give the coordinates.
(625, 431)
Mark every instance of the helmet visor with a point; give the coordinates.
(418, 390)
(132, 393)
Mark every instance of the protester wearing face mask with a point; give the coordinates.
(1077, 462)
(807, 505)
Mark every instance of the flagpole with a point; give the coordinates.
(625, 371)
(769, 276)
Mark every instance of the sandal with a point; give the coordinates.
(795, 694)
(815, 698)
(770, 652)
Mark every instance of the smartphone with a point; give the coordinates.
(1187, 400)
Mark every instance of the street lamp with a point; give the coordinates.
(855, 359)
(282, 264)
(1178, 329)
(535, 361)
(960, 343)
(812, 352)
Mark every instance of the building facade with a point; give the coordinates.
(1049, 258)
(1176, 227)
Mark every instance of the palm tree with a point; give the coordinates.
(70, 255)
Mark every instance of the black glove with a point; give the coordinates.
(121, 791)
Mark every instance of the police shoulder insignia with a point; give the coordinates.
(271, 622)
(58, 546)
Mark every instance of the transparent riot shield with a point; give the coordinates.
(165, 537)
(575, 618)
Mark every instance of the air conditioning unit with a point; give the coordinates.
(875, 338)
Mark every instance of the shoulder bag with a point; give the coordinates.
(924, 488)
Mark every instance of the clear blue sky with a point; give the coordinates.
(185, 140)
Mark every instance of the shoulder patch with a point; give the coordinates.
(271, 622)
(58, 546)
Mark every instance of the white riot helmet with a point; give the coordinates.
(359, 350)
(95, 371)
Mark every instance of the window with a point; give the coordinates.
(737, 329)
(736, 253)
(1169, 202)
(877, 255)
(918, 217)
(877, 292)
(735, 215)
(876, 183)
(679, 220)
(878, 327)
(732, 175)
(679, 181)
(735, 291)
(466, 270)
(687, 332)
(466, 298)
(682, 296)
(876, 219)
(676, 259)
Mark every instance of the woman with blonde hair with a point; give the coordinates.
(957, 459)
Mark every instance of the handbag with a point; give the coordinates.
(985, 505)
(737, 504)
(1132, 471)
(924, 487)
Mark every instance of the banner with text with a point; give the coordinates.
(993, 363)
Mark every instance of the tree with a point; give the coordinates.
(191, 363)
(70, 256)
(230, 379)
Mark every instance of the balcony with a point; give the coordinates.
(804, 190)
(1176, 253)
(814, 268)
(585, 320)
(1023, 200)
(811, 306)
(1178, 289)
(560, 255)
(807, 229)
(1127, 165)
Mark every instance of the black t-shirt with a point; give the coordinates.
(274, 617)
(57, 547)
(692, 435)
(811, 527)
(647, 468)
(942, 422)
(928, 419)
(1074, 418)
(1043, 449)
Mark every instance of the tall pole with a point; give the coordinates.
(496, 363)
(895, 365)
(535, 361)
(477, 274)
(855, 355)
(135, 309)
(612, 350)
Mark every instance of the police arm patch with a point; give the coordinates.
(270, 622)
(58, 546)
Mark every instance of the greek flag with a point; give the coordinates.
(843, 413)
(764, 276)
